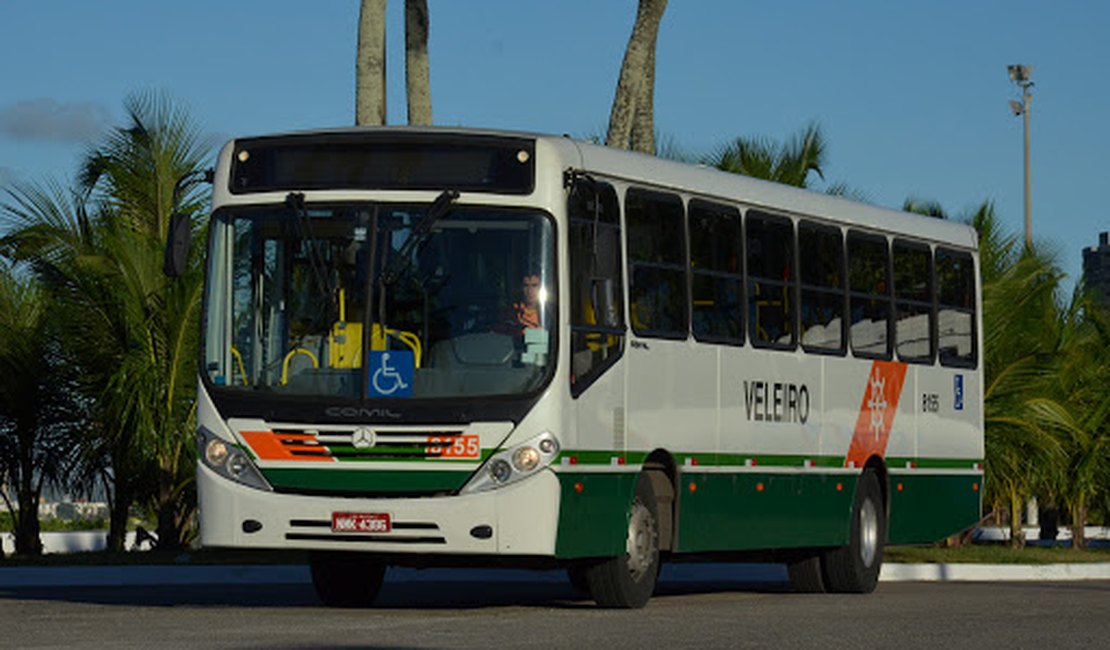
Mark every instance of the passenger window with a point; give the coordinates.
(715, 264)
(955, 274)
(821, 261)
(770, 256)
(913, 302)
(869, 294)
(657, 264)
(596, 284)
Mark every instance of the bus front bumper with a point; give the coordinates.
(518, 520)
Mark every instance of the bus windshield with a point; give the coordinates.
(377, 301)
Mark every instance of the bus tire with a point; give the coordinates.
(805, 575)
(344, 579)
(628, 581)
(855, 568)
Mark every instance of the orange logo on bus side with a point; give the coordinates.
(876, 412)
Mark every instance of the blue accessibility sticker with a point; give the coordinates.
(958, 393)
(391, 373)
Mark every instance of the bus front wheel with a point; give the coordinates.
(344, 579)
(628, 581)
(855, 568)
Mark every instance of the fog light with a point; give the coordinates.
(215, 452)
(525, 459)
(549, 446)
(500, 471)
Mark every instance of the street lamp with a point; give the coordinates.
(1020, 75)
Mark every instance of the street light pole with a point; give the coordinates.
(1020, 74)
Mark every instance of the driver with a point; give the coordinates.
(524, 314)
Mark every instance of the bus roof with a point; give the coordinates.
(703, 181)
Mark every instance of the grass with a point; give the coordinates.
(993, 554)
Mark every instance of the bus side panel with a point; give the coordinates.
(925, 508)
(746, 510)
(593, 513)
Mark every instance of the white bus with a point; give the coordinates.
(444, 346)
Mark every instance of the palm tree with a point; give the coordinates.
(417, 81)
(1083, 417)
(1019, 341)
(370, 64)
(631, 119)
(100, 253)
(38, 412)
(790, 163)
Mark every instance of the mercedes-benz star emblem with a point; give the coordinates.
(363, 438)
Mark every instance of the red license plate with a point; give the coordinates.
(360, 522)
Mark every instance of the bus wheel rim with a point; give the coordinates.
(868, 532)
(641, 541)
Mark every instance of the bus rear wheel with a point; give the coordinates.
(344, 579)
(628, 581)
(855, 568)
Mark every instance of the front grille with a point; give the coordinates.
(356, 443)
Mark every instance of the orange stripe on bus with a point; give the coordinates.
(876, 412)
(268, 446)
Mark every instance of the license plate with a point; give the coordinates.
(360, 522)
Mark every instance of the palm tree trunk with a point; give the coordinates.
(1078, 523)
(634, 79)
(1017, 534)
(643, 122)
(370, 64)
(417, 77)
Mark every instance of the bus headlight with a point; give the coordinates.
(229, 461)
(514, 464)
(525, 459)
(215, 452)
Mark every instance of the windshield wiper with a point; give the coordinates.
(419, 232)
(294, 201)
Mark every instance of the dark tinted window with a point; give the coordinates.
(955, 281)
(821, 258)
(913, 302)
(471, 163)
(715, 265)
(657, 263)
(869, 287)
(769, 242)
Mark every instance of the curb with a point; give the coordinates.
(154, 575)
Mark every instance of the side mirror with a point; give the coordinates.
(178, 239)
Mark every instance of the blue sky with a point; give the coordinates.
(912, 96)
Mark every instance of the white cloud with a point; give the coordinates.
(48, 119)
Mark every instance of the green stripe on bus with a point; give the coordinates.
(370, 481)
(713, 459)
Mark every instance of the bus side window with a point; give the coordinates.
(657, 264)
(596, 284)
(955, 281)
(821, 258)
(770, 252)
(716, 256)
(869, 286)
(913, 302)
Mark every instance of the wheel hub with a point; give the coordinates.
(642, 541)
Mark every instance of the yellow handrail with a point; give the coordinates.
(242, 368)
(289, 358)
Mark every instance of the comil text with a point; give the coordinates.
(776, 401)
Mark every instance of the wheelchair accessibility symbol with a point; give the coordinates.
(391, 373)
